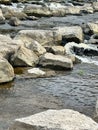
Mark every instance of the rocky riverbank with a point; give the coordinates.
(44, 35)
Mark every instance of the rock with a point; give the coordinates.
(93, 39)
(14, 21)
(24, 57)
(5, 2)
(6, 71)
(8, 13)
(2, 19)
(73, 10)
(93, 27)
(36, 47)
(51, 60)
(95, 6)
(8, 46)
(36, 71)
(52, 37)
(37, 10)
(44, 37)
(86, 9)
(70, 34)
(57, 50)
(55, 120)
(81, 49)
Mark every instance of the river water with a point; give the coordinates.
(76, 89)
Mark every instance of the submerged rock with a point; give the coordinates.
(55, 120)
(55, 61)
(6, 71)
(36, 71)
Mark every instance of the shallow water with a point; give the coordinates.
(77, 90)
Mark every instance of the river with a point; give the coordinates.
(77, 89)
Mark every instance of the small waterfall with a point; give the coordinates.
(89, 60)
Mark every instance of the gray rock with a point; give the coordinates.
(51, 60)
(6, 71)
(55, 120)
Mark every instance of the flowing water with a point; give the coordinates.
(76, 89)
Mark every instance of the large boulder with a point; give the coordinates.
(6, 71)
(55, 120)
(70, 34)
(51, 60)
(24, 57)
(41, 36)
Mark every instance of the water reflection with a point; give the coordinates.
(6, 87)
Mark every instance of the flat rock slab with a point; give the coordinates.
(51, 60)
(55, 120)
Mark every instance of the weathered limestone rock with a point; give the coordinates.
(36, 47)
(87, 8)
(95, 6)
(8, 46)
(2, 19)
(93, 27)
(51, 60)
(37, 10)
(24, 57)
(41, 36)
(57, 50)
(6, 71)
(55, 120)
(14, 21)
(73, 10)
(70, 34)
(8, 13)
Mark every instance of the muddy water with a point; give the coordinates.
(77, 90)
